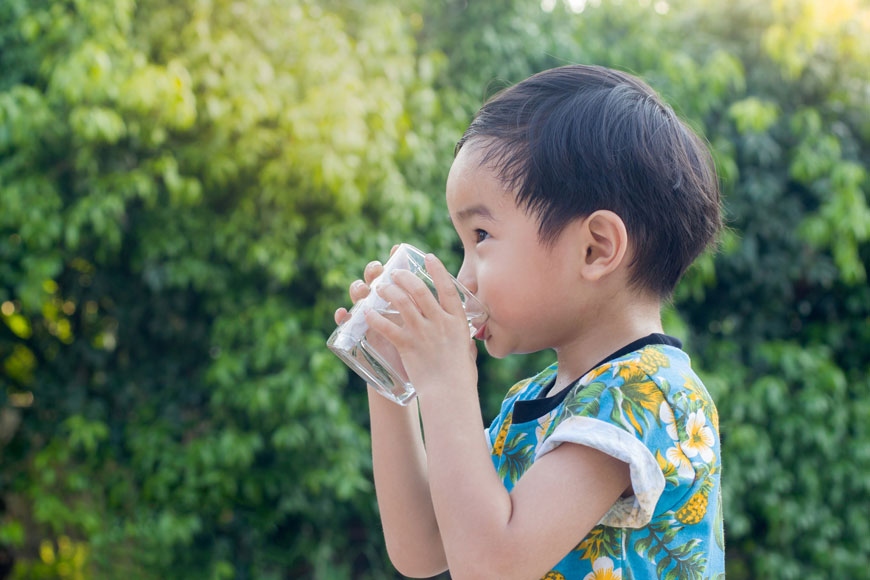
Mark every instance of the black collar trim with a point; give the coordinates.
(541, 405)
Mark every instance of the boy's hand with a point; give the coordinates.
(433, 340)
(360, 289)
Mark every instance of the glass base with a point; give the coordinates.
(372, 367)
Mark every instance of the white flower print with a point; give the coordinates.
(677, 455)
(700, 437)
(602, 569)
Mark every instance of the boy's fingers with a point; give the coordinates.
(388, 329)
(399, 296)
(448, 296)
(340, 315)
(358, 291)
(372, 271)
(417, 290)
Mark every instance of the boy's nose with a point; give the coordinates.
(466, 277)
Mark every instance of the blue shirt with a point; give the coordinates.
(650, 410)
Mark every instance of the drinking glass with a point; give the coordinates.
(369, 354)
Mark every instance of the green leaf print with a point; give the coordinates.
(616, 413)
(601, 541)
(688, 562)
(515, 458)
(586, 401)
(665, 387)
(662, 565)
(642, 399)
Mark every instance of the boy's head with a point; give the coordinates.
(576, 139)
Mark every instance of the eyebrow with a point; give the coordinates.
(475, 210)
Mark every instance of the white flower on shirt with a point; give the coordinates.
(677, 455)
(602, 569)
(700, 441)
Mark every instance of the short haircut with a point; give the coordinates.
(576, 139)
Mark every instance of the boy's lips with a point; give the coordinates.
(481, 333)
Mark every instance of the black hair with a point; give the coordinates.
(576, 139)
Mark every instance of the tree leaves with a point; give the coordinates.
(187, 188)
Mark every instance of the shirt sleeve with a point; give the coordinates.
(618, 414)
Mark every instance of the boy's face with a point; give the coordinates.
(532, 291)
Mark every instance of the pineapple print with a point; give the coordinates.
(693, 511)
(553, 575)
(498, 446)
(651, 359)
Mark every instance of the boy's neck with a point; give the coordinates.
(610, 329)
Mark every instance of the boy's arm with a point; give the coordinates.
(402, 486)
(488, 533)
(399, 463)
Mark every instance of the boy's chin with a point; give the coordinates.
(493, 350)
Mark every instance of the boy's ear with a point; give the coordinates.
(604, 243)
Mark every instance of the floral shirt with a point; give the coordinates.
(648, 409)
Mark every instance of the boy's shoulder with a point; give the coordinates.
(666, 367)
(654, 384)
(643, 379)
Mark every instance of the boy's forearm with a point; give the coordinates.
(402, 487)
(472, 506)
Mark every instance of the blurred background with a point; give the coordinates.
(187, 187)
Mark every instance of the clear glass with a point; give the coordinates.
(369, 354)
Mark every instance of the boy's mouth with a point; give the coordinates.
(481, 333)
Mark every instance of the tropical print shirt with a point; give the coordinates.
(649, 409)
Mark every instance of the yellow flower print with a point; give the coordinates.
(651, 359)
(700, 437)
(553, 575)
(602, 569)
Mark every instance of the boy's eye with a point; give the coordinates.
(480, 235)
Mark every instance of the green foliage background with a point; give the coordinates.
(187, 188)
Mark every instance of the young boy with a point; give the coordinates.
(580, 200)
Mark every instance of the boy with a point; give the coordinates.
(580, 199)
